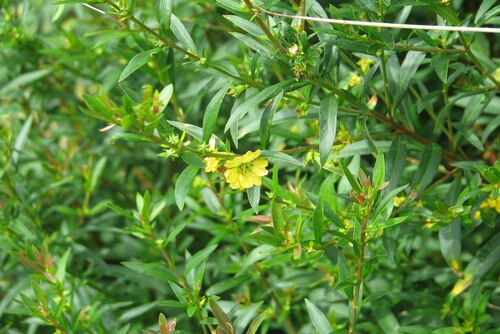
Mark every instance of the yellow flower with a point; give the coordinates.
(477, 215)
(212, 164)
(364, 65)
(245, 171)
(355, 80)
(399, 200)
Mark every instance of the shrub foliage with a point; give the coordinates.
(221, 166)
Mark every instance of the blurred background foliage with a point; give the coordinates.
(75, 260)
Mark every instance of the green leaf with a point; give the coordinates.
(212, 112)
(255, 45)
(318, 319)
(254, 197)
(156, 270)
(61, 266)
(281, 158)
(137, 62)
(165, 12)
(136, 311)
(96, 173)
(440, 63)
(318, 226)
(266, 121)
(396, 161)
(278, 221)
(227, 284)
(450, 243)
(254, 326)
(165, 96)
(384, 203)
(427, 168)
(182, 34)
(245, 25)
(379, 171)
(25, 79)
(252, 102)
(124, 329)
(21, 139)
(183, 185)
(327, 127)
(58, 10)
(483, 8)
(193, 130)
(221, 317)
(362, 148)
(350, 178)
(197, 258)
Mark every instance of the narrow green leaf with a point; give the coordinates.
(350, 178)
(379, 170)
(254, 326)
(427, 168)
(252, 102)
(266, 121)
(278, 222)
(96, 173)
(165, 11)
(281, 158)
(58, 10)
(245, 25)
(318, 319)
(61, 266)
(318, 226)
(440, 63)
(197, 258)
(183, 185)
(136, 311)
(450, 243)
(253, 195)
(156, 270)
(21, 139)
(221, 317)
(227, 284)
(137, 62)
(384, 203)
(212, 112)
(25, 79)
(124, 329)
(182, 34)
(327, 127)
(165, 96)
(396, 161)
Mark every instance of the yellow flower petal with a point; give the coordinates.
(212, 164)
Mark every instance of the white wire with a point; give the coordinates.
(93, 8)
(387, 25)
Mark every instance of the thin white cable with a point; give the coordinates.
(93, 8)
(386, 25)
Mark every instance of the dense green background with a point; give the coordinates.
(63, 180)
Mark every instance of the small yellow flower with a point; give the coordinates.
(364, 65)
(399, 200)
(246, 171)
(355, 80)
(477, 215)
(212, 164)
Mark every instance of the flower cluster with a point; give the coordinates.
(488, 204)
(242, 172)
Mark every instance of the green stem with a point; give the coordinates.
(476, 61)
(302, 13)
(265, 28)
(359, 277)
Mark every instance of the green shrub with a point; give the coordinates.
(222, 167)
